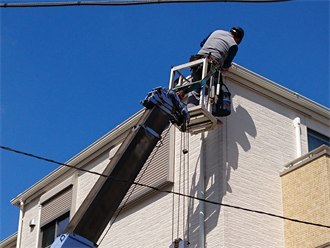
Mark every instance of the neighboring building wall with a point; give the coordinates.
(306, 197)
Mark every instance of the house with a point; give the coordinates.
(269, 159)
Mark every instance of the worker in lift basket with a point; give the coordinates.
(222, 45)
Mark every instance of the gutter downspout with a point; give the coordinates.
(38, 225)
(20, 223)
(296, 124)
(201, 195)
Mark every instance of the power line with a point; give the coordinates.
(166, 191)
(51, 161)
(76, 3)
(120, 3)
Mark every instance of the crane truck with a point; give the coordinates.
(162, 106)
(88, 223)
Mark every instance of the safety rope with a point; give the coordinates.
(183, 186)
(178, 220)
(188, 183)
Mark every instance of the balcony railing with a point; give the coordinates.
(306, 158)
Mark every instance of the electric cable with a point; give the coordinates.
(52, 161)
(170, 192)
(113, 3)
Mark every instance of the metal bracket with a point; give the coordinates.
(152, 132)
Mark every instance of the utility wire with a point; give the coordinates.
(167, 191)
(51, 161)
(118, 3)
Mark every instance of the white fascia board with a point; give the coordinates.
(78, 161)
(9, 240)
(271, 86)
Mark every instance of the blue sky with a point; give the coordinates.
(71, 74)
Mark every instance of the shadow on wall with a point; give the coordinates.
(243, 125)
(218, 171)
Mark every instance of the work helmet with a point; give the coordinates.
(238, 33)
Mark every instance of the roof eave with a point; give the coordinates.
(279, 89)
(77, 159)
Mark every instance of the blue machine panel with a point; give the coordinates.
(72, 241)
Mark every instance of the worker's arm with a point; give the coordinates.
(231, 54)
(203, 42)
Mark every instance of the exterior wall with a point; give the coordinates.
(86, 180)
(306, 197)
(147, 224)
(29, 235)
(258, 138)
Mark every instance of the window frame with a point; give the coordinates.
(54, 227)
(316, 135)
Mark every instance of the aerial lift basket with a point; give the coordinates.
(203, 116)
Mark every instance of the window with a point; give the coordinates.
(316, 139)
(55, 215)
(53, 229)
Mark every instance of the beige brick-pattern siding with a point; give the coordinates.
(258, 138)
(29, 234)
(306, 197)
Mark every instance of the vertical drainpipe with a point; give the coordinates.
(38, 225)
(201, 195)
(201, 172)
(20, 223)
(296, 124)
